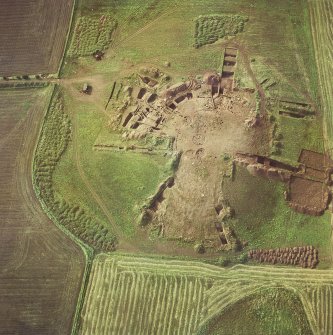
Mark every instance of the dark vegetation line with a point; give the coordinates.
(111, 94)
(47, 152)
(68, 36)
(53, 141)
(82, 295)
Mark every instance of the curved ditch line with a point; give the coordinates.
(23, 166)
(37, 206)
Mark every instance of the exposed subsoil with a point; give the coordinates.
(308, 193)
(205, 134)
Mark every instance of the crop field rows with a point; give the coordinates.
(178, 301)
(321, 12)
(209, 28)
(321, 300)
(128, 295)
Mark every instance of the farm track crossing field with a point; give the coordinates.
(41, 269)
(130, 295)
(33, 35)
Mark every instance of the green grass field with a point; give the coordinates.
(300, 134)
(270, 312)
(122, 180)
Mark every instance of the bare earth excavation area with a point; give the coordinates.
(208, 132)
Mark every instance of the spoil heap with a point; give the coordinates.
(306, 256)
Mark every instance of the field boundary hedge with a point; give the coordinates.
(54, 138)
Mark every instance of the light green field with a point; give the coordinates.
(300, 134)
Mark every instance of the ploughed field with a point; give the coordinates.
(33, 35)
(41, 269)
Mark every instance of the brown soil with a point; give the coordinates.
(204, 134)
(314, 160)
(33, 35)
(315, 174)
(41, 269)
(308, 193)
